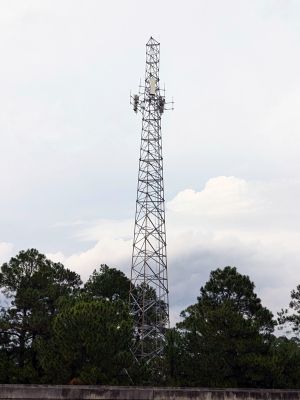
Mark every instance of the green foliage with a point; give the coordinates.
(55, 331)
(226, 333)
(35, 286)
(108, 283)
(290, 318)
(174, 358)
(286, 352)
(90, 343)
(285, 363)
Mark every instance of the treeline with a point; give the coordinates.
(56, 330)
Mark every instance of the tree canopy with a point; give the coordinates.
(90, 344)
(56, 330)
(35, 286)
(226, 333)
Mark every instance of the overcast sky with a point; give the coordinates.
(70, 141)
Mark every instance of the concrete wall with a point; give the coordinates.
(45, 392)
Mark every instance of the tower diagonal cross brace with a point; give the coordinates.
(149, 303)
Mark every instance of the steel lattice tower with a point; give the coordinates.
(149, 303)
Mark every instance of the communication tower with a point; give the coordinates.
(149, 303)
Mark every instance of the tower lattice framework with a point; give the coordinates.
(149, 303)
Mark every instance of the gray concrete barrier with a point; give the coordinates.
(65, 392)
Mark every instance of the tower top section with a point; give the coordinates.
(152, 41)
(150, 90)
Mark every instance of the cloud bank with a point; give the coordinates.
(231, 221)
